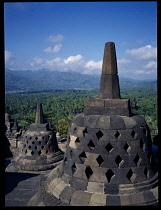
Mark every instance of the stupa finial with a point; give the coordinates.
(39, 114)
(109, 84)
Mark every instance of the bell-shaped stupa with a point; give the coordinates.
(39, 149)
(108, 156)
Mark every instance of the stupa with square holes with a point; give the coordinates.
(108, 156)
(39, 149)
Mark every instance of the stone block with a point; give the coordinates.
(98, 174)
(79, 171)
(111, 189)
(79, 120)
(95, 187)
(117, 123)
(54, 182)
(129, 122)
(137, 198)
(117, 103)
(109, 86)
(103, 122)
(108, 135)
(94, 102)
(78, 184)
(109, 161)
(126, 135)
(91, 159)
(80, 198)
(58, 189)
(107, 111)
(72, 142)
(149, 197)
(92, 134)
(140, 122)
(97, 200)
(66, 178)
(155, 192)
(79, 131)
(90, 121)
(125, 200)
(66, 194)
(113, 200)
(135, 147)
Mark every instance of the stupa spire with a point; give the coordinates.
(39, 114)
(109, 84)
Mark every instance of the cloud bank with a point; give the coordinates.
(136, 63)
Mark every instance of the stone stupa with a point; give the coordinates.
(39, 150)
(108, 156)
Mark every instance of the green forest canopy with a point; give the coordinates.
(61, 106)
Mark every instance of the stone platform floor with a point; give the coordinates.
(20, 187)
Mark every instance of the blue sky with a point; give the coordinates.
(70, 36)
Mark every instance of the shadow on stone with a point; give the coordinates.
(12, 180)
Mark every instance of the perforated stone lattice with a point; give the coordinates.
(36, 145)
(90, 143)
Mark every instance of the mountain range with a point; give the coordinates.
(44, 79)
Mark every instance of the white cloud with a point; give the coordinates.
(55, 49)
(123, 61)
(55, 39)
(151, 64)
(146, 52)
(9, 59)
(93, 64)
(72, 59)
(72, 63)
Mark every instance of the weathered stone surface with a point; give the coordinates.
(95, 187)
(136, 198)
(117, 123)
(109, 86)
(109, 65)
(94, 102)
(103, 122)
(80, 198)
(90, 121)
(66, 194)
(125, 200)
(79, 183)
(113, 200)
(97, 200)
(107, 111)
(39, 114)
(111, 189)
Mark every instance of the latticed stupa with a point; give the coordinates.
(108, 156)
(39, 150)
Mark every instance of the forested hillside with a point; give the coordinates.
(40, 80)
(61, 106)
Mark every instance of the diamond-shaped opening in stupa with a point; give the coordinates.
(91, 144)
(99, 134)
(137, 160)
(88, 172)
(109, 147)
(131, 176)
(117, 134)
(82, 157)
(109, 175)
(99, 160)
(119, 160)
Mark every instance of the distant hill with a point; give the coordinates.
(47, 80)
